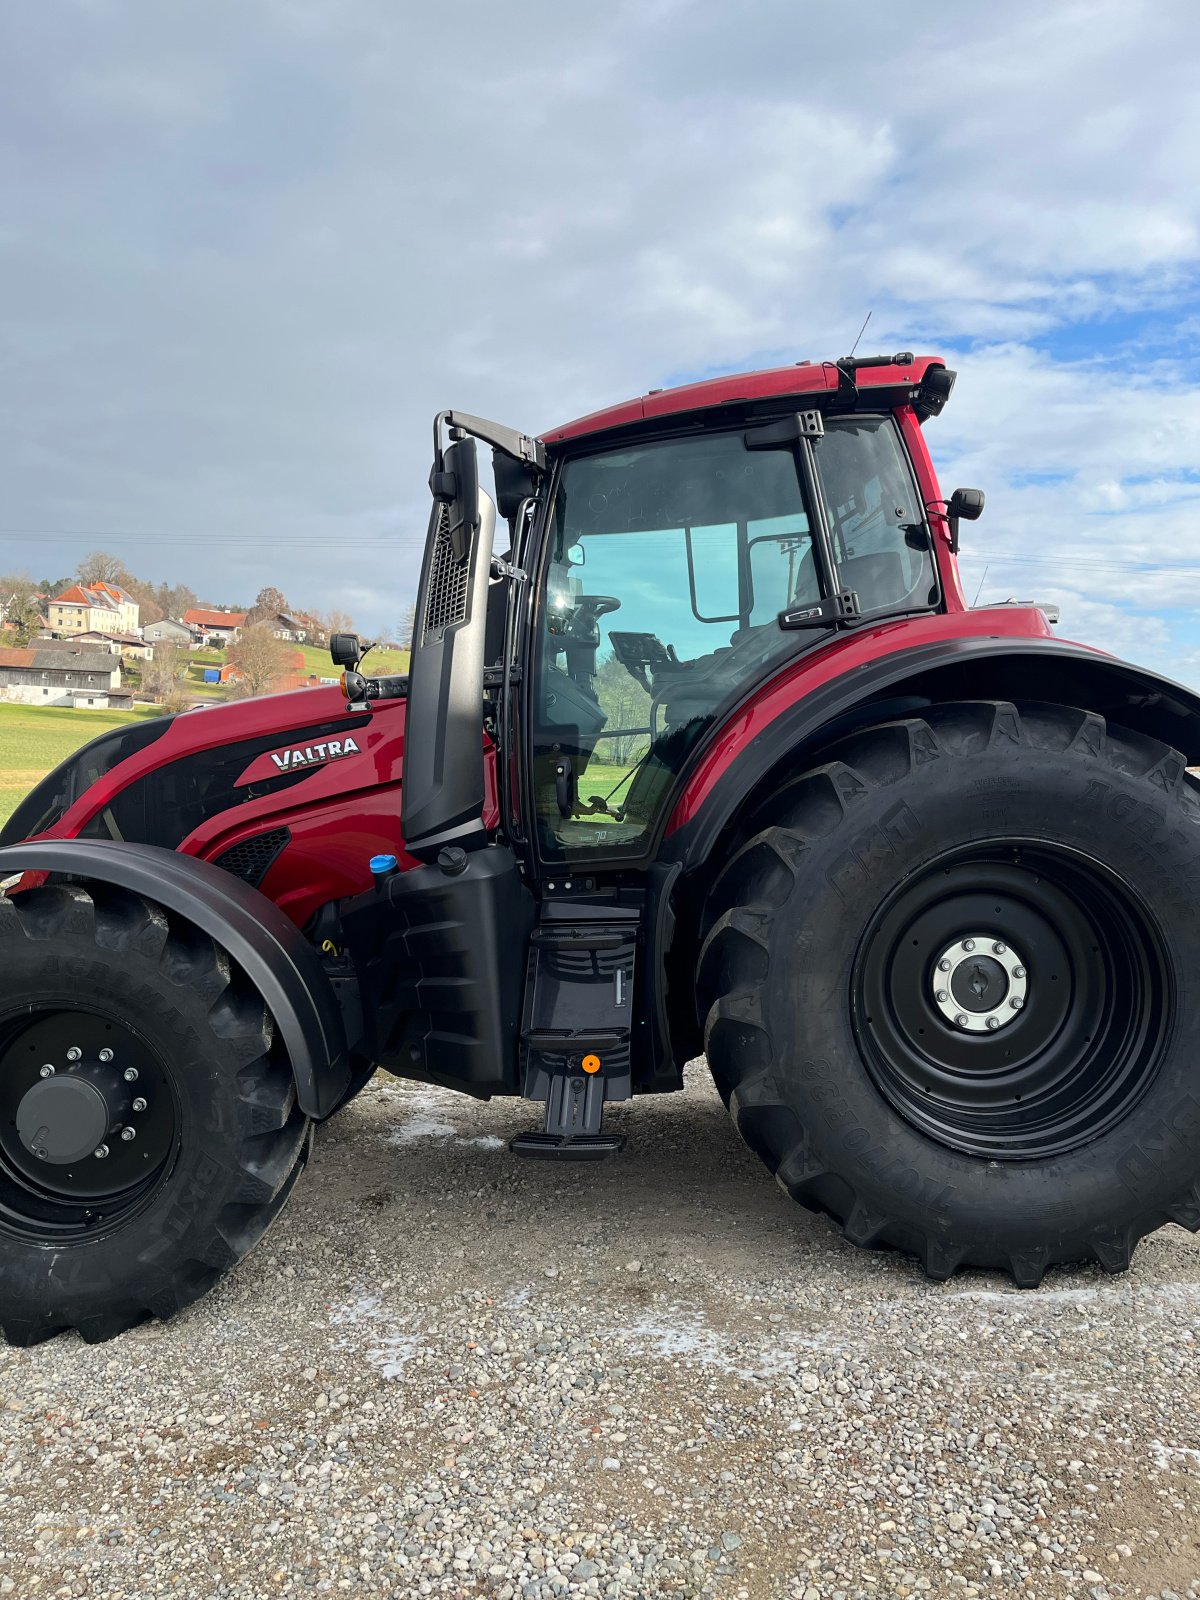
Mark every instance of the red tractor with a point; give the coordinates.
(714, 757)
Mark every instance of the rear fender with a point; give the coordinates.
(268, 947)
(900, 683)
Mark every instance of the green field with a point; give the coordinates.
(33, 739)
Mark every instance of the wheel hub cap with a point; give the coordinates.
(979, 983)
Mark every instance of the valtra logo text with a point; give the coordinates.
(330, 750)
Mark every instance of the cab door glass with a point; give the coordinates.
(668, 564)
(877, 523)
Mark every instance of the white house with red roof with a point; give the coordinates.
(214, 629)
(93, 608)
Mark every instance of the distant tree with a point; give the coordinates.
(408, 627)
(269, 602)
(261, 657)
(19, 605)
(163, 673)
(626, 705)
(340, 622)
(100, 567)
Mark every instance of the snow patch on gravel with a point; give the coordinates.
(392, 1350)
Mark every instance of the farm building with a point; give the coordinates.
(167, 631)
(214, 629)
(41, 676)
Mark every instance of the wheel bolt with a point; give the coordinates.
(101, 1152)
(131, 1074)
(941, 994)
(945, 964)
(998, 949)
(968, 944)
(128, 1133)
(40, 1154)
(993, 1022)
(962, 1019)
(1016, 1002)
(46, 1072)
(1018, 972)
(106, 1054)
(74, 1053)
(140, 1103)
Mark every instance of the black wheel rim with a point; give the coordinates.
(1001, 1067)
(70, 1078)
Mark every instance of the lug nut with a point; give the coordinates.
(101, 1152)
(962, 1019)
(106, 1054)
(1018, 972)
(993, 1022)
(74, 1053)
(968, 944)
(1016, 1002)
(128, 1133)
(140, 1103)
(130, 1074)
(998, 949)
(941, 995)
(40, 1154)
(46, 1072)
(945, 964)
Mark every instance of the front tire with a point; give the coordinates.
(149, 1131)
(950, 989)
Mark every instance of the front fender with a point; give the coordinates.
(268, 947)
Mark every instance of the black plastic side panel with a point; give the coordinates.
(441, 963)
(442, 795)
(272, 951)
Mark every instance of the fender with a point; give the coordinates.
(768, 734)
(269, 948)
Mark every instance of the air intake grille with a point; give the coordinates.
(252, 858)
(446, 599)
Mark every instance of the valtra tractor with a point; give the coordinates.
(705, 753)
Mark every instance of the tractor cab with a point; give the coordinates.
(579, 642)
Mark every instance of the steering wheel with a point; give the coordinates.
(591, 607)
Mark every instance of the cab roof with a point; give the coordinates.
(801, 378)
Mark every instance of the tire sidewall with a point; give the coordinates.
(174, 1225)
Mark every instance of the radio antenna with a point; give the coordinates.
(979, 591)
(861, 331)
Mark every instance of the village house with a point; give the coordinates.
(45, 675)
(127, 645)
(214, 629)
(95, 607)
(168, 631)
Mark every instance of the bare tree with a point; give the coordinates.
(341, 622)
(162, 673)
(408, 626)
(261, 658)
(101, 567)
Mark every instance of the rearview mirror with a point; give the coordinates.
(966, 503)
(454, 481)
(345, 649)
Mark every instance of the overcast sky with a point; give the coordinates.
(247, 249)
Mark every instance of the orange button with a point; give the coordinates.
(590, 1063)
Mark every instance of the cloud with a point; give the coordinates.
(248, 252)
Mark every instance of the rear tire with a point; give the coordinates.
(98, 984)
(980, 1118)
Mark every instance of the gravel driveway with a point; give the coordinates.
(452, 1372)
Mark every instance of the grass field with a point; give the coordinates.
(33, 739)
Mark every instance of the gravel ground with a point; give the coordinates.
(451, 1372)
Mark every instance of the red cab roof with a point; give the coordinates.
(804, 377)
